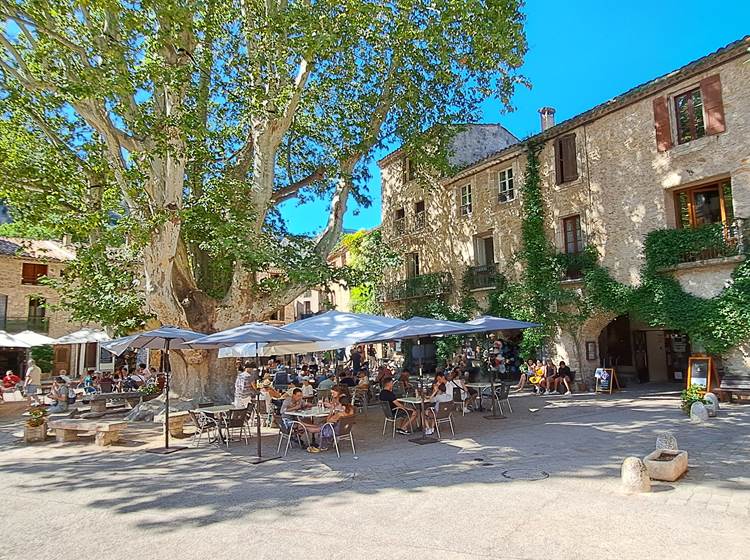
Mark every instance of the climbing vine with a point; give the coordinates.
(718, 323)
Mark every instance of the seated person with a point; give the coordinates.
(404, 383)
(59, 394)
(10, 380)
(383, 372)
(440, 396)
(291, 404)
(563, 374)
(408, 417)
(364, 382)
(456, 382)
(326, 430)
(348, 380)
(281, 377)
(327, 383)
(527, 371)
(307, 389)
(550, 371)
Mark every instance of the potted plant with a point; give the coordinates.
(35, 428)
(149, 391)
(692, 394)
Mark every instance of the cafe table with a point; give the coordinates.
(216, 412)
(315, 412)
(480, 387)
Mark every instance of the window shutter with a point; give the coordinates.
(570, 162)
(713, 105)
(458, 202)
(558, 161)
(661, 124)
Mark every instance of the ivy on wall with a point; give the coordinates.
(718, 323)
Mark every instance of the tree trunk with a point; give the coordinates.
(201, 375)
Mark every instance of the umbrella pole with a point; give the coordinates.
(259, 458)
(423, 439)
(167, 374)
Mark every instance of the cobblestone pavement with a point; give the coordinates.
(466, 497)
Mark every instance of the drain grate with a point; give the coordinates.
(525, 474)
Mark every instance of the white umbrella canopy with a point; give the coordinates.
(34, 339)
(11, 341)
(250, 333)
(490, 323)
(155, 339)
(83, 336)
(418, 327)
(337, 329)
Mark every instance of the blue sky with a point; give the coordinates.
(582, 53)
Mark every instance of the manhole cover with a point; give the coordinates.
(525, 474)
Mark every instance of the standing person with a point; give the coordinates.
(356, 359)
(32, 382)
(244, 388)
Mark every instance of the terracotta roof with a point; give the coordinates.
(43, 250)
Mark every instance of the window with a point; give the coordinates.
(37, 312)
(308, 307)
(707, 204)
(566, 163)
(689, 116)
(464, 196)
(506, 192)
(409, 170)
(279, 314)
(573, 237)
(105, 356)
(32, 272)
(399, 222)
(484, 250)
(412, 265)
(420, 217)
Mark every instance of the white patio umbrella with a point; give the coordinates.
(251, 333)
(35, 339)
(11, 341)
(163, 338)
(336, 329)
(490, 323)
(83, 336)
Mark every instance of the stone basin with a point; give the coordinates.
(666, 464)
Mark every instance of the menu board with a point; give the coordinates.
(699, 372)
(606, 380)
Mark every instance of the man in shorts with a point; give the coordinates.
(407, 416)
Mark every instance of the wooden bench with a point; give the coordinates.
(731, 385)
(98, 402)
(107, 432)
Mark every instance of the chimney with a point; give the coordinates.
(548, 117)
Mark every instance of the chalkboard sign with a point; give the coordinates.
(606, 380)
(699, 372)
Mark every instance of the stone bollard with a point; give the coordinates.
(712, 404)
(666, 440)
(634, 476)
(698, 413)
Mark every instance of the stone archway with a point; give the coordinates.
(571, 347)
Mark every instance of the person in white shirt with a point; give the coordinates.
(33, 382)
(456, 382)
(307, 390)
(438, 397)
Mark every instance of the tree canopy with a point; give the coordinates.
(163, 135)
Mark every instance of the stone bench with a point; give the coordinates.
(107, 432)
(177, 422)
(98, 401)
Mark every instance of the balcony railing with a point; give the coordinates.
(671, 247)
(424, 285)
(420, 221)
(14, 325)
(481, 277)
(399, 226)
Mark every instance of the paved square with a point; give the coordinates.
(463, 498)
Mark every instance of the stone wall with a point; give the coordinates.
(624, 190)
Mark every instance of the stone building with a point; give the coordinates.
(671, 153)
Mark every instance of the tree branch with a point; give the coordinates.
(290, 191)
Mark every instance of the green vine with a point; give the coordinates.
(718, 323)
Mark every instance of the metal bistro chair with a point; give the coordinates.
(460, 402)
(204, 424)
(392, 417)
(444, 415)
(237, 419)
(502, 394)
(360, 399)
(345, 426)
(287, 432)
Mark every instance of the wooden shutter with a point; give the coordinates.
(558, 161)
(713, 105)
(661, 124)
(570, 162)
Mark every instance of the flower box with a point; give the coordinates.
(666, 464)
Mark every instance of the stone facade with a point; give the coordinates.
(624, 189)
